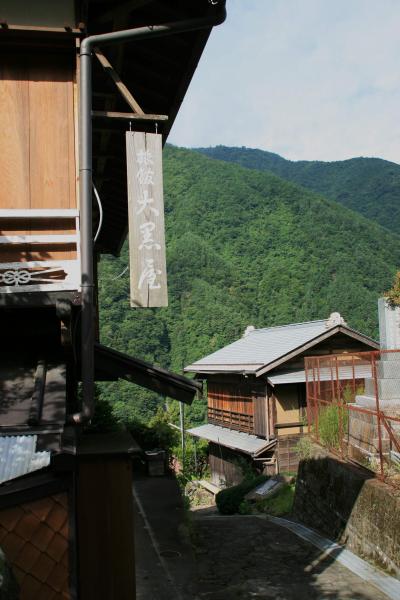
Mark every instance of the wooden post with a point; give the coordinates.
(146, 220)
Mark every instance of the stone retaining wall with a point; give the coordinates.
(348, 505)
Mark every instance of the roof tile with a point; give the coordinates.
(43, 567)
(262, 347)
(58, 577)
(35, 539)
(57, 547)
(31, 588)
(40, 508)
(3, 532)
(43, 537)
(61, 499)
(27, 526)
(27, 557)
(57, 517)
(10, 517)
(12, 545)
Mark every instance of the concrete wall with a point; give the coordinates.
(347, 505)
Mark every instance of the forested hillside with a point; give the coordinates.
(370, 186)
(243, 247)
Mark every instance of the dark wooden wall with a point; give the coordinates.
(236, 397)
(239, 403)
(105, 528)
(224, 465)
(286, 452)
(260, 402)
(231, 404)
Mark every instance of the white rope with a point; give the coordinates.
(122, 273)
(100, 213)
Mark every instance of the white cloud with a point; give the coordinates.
(309, 79)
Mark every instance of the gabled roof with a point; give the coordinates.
(261, 350)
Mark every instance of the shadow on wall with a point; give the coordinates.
(346, 503)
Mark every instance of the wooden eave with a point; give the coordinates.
(33, 486)
(157, 72)
(111, 365)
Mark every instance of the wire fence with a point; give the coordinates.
(353, 408)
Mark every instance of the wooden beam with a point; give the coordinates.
(107, 114)
(38, 239)
(4, 26)
(37, 213)
(125, 93)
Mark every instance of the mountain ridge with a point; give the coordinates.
(243, 246)
(369, 186)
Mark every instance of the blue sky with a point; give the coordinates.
(308, 79)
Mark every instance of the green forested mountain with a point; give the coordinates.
(243, 247)
(370, 186)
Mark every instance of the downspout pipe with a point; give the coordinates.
(217, 17)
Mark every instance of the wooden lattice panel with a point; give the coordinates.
(34, 538)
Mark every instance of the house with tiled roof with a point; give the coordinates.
(256, 393)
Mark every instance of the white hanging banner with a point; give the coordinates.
(146, 219)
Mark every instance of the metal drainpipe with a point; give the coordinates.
(85, 172)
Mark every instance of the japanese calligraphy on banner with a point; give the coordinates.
(146, 219)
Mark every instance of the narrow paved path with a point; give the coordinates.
(165, 562)
(239, 558)
(249, 558)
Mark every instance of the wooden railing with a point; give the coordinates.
(231, 419)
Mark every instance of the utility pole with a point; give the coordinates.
(182, 427)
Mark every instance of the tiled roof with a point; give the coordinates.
(262, 347)
(18, 456)
(34, 538)
(236, 440)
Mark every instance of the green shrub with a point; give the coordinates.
(156, 434)
(245, 508)
(229, 500)
(196, 458)
(393, 295)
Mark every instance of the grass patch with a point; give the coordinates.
(329, 425)
(280, 503)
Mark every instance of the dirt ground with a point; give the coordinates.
(230, 558)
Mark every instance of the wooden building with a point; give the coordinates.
(74, 76)
(256, 393)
